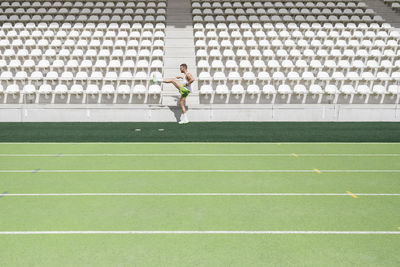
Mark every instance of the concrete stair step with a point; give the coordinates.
(179, 51)
(179, 34)
(179, 25)
(174, 63)
(179, 17)
(187, 26)
(183, 42)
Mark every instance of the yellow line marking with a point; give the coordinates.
(351, 194)
(317, 171)
(294, 155)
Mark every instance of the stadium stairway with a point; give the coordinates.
(179, 48)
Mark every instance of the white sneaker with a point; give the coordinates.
(184, 119)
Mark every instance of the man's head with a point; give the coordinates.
(183, 68)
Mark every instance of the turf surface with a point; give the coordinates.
(199, 213)
(202, 132)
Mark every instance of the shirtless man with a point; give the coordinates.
(184, 89)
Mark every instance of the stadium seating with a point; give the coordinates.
(97, 48)
(289, 51)
(316, 48)
(286, 11)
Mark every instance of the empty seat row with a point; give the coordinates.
(81, 43)
(288, 65)
(292, 26)
(74, 65)
(79, 54)
(36, 49)
(87, 35)
(307, 54)
(106, 90)
(287, 18)
(321, 35)
(81, 11)
(277, 4)
(75, 52)
(82, 18)
(80, 76)
(300, 43)
(278, 76)
(336, 48)
(80, 4)
(78, 26)
(301, 90)
(282, 11)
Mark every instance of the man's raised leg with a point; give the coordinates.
(176, 83)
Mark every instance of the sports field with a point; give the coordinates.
(200, 204)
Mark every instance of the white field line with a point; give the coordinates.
(200, 171)
(192, 194)
(206, 143)
(196, 155)
(200, 232)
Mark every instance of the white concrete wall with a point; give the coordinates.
(143, 113)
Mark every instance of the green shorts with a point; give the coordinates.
(184, 92)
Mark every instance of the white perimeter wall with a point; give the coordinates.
(142, 113)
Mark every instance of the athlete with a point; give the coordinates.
(183, 87)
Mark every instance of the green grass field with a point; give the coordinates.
(200, 204)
